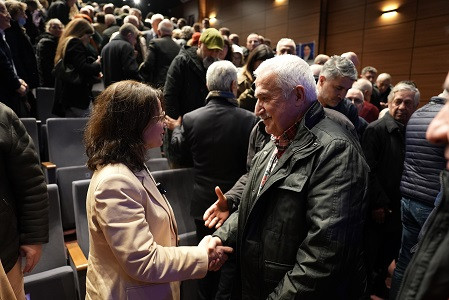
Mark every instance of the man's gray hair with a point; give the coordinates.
(156, 17)
(219, 76)
(338, 66)
(165, 27)
(131, 19)
(290, 71)
(128, 28)
(363, 85)
(402, 86)
(285, 41)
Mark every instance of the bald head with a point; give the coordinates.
(352, 57)
(365, 86)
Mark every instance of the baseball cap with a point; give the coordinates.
(212, 39)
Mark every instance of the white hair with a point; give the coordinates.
(401, 86)
(363, 85)
(165, 27)
(338, 66)
(219, 76)
(156, 17)
(290, 71)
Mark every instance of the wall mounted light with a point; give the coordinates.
(389, 11)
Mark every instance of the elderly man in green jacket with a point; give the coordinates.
(298, 229)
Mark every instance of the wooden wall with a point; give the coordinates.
(414, 45)
(274, 19)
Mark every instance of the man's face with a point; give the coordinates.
(277, 113)
(332, 90)
(206, 52)
(155, 24)
(402, 106)
(370, 76)
(356, 98)
(286, 49)
(5, 18)
(252, 41)
(383, 85)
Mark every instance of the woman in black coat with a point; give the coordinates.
(73, 99)
(46, 51)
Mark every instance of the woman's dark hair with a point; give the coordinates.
(229, 54)
(114, 132)
(260, 53)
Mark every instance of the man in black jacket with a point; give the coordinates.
(23, 201)
(161, 53)
(384, 148)
(215, 137)
(117, 57)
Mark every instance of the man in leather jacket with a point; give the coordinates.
(298, 230)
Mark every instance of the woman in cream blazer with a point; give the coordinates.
(133, 250)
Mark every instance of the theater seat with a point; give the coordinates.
(52, 278)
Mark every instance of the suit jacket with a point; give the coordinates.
(161, 53)
(215, 137)
(118, 61)
(133, 239)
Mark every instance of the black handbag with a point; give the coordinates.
(67, 73)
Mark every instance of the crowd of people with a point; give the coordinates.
(311, 180)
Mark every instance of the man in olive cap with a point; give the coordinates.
(185, 86)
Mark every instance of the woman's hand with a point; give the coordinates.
(215, 251)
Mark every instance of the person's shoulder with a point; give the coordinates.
(114, 170)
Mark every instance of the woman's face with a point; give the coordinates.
(223, 52)
(153, 135)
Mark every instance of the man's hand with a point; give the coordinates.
(217, 253)
(172, 123)
(218, 212)
(32, 253)
(23, 89)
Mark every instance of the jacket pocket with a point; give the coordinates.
(274, 271)
(294, 182)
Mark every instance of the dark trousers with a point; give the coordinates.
(216, 285)
(382, 243)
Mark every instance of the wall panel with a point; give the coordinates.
(428, 60)
(389, 61)
(345, 20)
(432, 8)
(431, 31)
(391, 37)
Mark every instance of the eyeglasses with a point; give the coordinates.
(160, 118)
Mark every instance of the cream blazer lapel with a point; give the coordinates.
(150, 186)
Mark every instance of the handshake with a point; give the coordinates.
(216, 252)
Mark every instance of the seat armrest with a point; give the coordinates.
(77, 255)
(49, 169)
